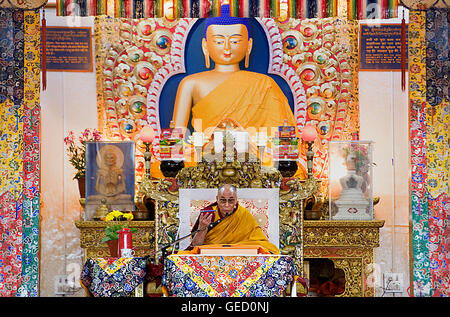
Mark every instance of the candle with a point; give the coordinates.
(241, 141)
(218, 142)
(197, 138)
(147, 135)
(309, 133)
(261, 138)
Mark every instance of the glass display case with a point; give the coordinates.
(350, 180)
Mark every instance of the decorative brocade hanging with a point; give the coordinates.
(304, 9)
(296, 9)
(372, 9)
(429, 114)
(20, 151)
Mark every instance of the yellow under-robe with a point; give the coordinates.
(239, 228)
(251, 99)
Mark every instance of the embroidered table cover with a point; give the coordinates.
(113, 277)
(228, 276)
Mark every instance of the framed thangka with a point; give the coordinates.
(110, 178)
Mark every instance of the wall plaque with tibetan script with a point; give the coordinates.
(380, 47)
(69, 49)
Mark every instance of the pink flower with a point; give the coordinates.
(86, 133)
(76, 149)
(96, 135)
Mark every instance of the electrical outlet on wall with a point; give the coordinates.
(393, 282)
(63, 285)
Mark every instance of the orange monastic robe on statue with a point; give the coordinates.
(251, 99)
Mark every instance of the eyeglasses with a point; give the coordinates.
(224, 200)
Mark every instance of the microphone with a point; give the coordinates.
(215, 223)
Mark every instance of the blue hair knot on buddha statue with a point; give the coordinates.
(226, 19)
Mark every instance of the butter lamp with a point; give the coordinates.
(261, 141)
(198, 141)
(309, 135)
(147, 136)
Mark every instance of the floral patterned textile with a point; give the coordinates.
(417, 115)
(228, 276)
(11, 58)
(113, 277)
(438, 118)
(31, 156)
(20, 151)
(11, 146)
(429, 135)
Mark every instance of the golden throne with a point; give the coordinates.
(214, 169)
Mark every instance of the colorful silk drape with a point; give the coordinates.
(228, 276)
(371, 9)
(113, 277)
(429, 118)
(297, 9)
(19, 149)
(312, 9)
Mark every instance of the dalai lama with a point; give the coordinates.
(237, 227)
(227, 92)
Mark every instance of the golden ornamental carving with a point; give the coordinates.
(92, 233)
(350, 245)
(353, 272)
(214, 170)
(342, 233)
(158, 189)
(241, 174)
(299, 189)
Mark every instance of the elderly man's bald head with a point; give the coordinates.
(229, 187)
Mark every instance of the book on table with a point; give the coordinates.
(229, 249)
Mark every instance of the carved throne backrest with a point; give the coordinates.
(263, 204)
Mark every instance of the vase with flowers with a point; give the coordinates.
(76, 150)
(119, 220)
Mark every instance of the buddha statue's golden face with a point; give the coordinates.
(227, 44)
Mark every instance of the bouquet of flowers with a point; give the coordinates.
(111, 231)
(76, 149)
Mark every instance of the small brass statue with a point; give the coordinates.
(102, 210)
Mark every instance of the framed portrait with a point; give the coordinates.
(110, 176)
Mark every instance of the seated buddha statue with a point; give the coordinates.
(212, 99)
(110, 181)
(253, 100)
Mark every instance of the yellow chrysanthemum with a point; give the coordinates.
(117, 213)
(128, 216)
(109, 217)
(113, 215)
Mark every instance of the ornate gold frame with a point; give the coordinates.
(350, 246)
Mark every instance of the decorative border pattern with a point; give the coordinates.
(429, 117)
(276, 66)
